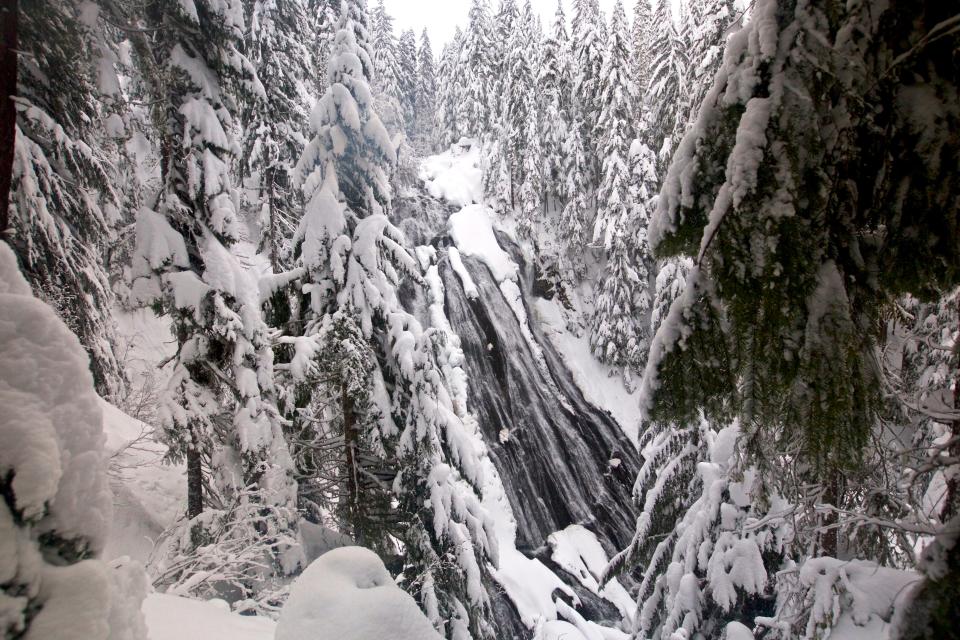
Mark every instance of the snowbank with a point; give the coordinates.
(455, 175)
(348, 594)
(58, 505)
(472, 229)
(174, 618)
(148, 494)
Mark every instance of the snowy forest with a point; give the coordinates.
(605, 322)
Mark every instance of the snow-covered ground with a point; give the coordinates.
(175, 618)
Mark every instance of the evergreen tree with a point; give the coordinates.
(476, 65)
(322, 18)
(640, 37)
(622, 308)
(274, 123)
(387, 72)
(425, 111)
(64, 207)
(219, 413)
(614, 131)
(664, 96)
(353, 260)
(779, 321)
(407, 66)
(450, 91)
(574, 219)
(554, 85)
(588, 45)
(523, 119)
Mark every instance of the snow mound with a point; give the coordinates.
(472, 229)
(455, 175)
(348, 594)
(58, 504)
(175, 618)
(148, 494)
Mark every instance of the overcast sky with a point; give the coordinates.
(442, 17)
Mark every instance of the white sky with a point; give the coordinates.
(441, 17)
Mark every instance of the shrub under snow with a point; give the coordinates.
(348, 594)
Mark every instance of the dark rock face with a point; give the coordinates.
(551, 447)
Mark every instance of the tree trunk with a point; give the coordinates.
(351, 438)
(194, 482)
(830, 536)
(8, 113)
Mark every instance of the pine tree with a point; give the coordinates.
(523, 119)
(708, 25)
(407, 65)
(475, 64)
(622, 309)
(588, 45)
(353, 259)
(574, 219)
(554, 85)
(779, 323)
(450, 91)
(664, 96)
(64, 205)
(219, 413)
(614, 131)
(640, 36)
(425, 111)
(274, 124)
(322, 18)
(387, 72)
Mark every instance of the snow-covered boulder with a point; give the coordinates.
(348, 594)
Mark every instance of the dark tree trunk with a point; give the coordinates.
(8, 114)
(194, 483)
(830, 537)
(351, 438)
(951, 505)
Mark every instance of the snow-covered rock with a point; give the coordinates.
(348, 594)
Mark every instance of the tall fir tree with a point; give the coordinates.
(640, 35)
(614, 131)
(664, 96)
(780, 320)
(275, 123)
(399, 409)
(219, 414)
(407, 65)
(450, 91)
(554, 82)
(425, 109)
(620, 324)
(475, 65)
(588, 46)
(64, 206)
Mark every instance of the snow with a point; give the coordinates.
(175, 618)
(456, 175)
(348, 594)
(148, 495)
(472, 229)
(51, 451)
(596, 380)
(577, 551)
(469, 286)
